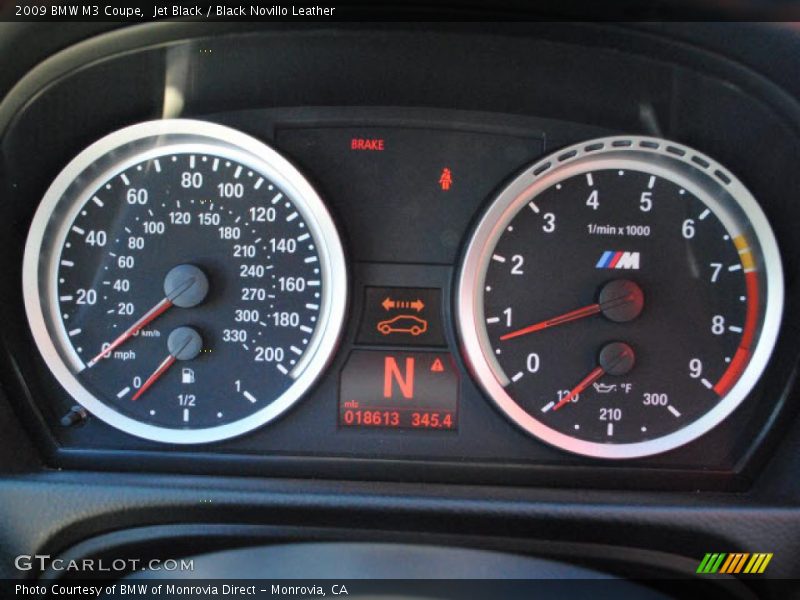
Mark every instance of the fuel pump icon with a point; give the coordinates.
(187, 375)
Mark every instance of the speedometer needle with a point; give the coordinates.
(150, 316)
(620, 300)
(190, 290)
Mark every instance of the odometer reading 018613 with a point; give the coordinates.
(183, 281)
(621, 297)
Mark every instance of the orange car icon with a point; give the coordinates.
(403, 324)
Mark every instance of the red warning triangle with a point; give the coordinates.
(437, 366)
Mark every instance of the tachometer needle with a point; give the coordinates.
(620, 300)
(162, 368)
(573, 315)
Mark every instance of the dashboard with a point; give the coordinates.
(444, 273)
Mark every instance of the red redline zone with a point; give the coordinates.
(742, 356)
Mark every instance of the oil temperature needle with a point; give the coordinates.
(616, 358)
(593, 376)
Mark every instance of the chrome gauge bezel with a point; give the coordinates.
(700, 175)
(109, 156)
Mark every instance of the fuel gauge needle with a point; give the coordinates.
(162, 368)
(184, 343)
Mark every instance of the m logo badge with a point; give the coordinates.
(618, 259)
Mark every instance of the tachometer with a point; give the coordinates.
(621, 297)
(183, 281)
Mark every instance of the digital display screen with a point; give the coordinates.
(399, 390)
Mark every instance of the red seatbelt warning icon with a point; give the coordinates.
(445, 179)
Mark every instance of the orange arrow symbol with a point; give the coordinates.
(389, 304)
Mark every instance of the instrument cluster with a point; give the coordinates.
(411, 292)
(185, 283)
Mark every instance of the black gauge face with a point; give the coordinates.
(250, 270)
(191, 290)
(619, 306)
(660, 275)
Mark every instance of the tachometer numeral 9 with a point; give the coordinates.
(695, 368)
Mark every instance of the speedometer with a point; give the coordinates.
(184, 282)
(621, 297)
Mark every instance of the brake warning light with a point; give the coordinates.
(367, 144)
